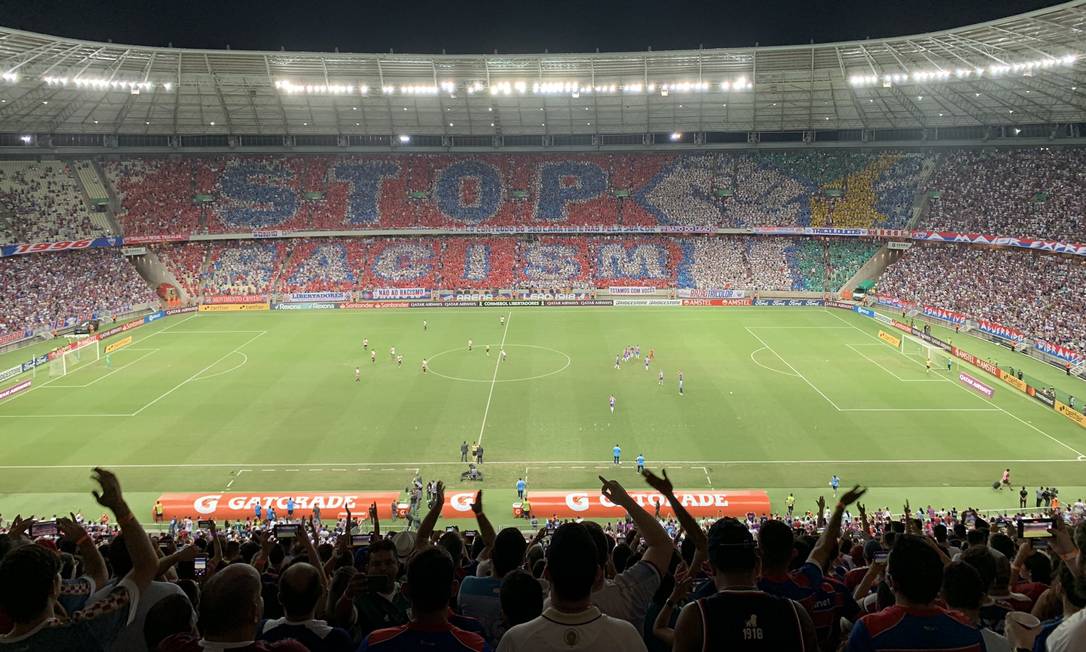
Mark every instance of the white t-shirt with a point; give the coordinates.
(588, 631)
(1070, 636)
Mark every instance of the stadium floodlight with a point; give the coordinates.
(10, 76)
(676, 135)
(26, 139)
(404, 138)
(168, 86)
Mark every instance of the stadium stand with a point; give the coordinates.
(822, 188)
(40, 201)
(1039, 294)
(475, 262)
(1034, 193)
(837, 581)
(56, 290)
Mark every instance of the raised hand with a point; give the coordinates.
(852, 495)
(614, 492)
(70, 529)
(439, 492)
(821, 504)
(111, 496)
(20, 525)
(663, 485)
(477, 505)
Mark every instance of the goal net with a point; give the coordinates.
(923, 352)
(83, 353)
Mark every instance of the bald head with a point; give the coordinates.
(231, 603)
(299, 591)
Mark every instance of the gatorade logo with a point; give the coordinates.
(462, 502)
(577, 502)
(206, 504)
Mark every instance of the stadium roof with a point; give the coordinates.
(1025, 69)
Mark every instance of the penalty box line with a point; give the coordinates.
(1081, 455)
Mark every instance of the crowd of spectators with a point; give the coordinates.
(58, 289)
(40, 201)
(1033, 193)
(825, 578)
(498, 190)
(478, 262)
(1039, 294)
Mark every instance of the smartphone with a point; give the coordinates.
(360, 540)
(43, 529)
(470, 534)
(881, 556)
(203, 524)
(378, 584)
(284, 532)
(453, 528)
(164, 546)
(199, 565)
(1034, 529)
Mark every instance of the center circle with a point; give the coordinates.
(560, 362)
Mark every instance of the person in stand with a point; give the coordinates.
(739, 616)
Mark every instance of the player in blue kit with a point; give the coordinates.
(616, 454)
(640, 462)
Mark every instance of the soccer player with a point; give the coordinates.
(521, 484)
(652, 353)
(392, 352)
(637, 351)
(790, 503)
(503, 355)
(469, 344)
(646, 364)
(681, 382)
(109, 365)
(365, 342)
(357, 374)
(616, 452)
(501, 321)
(399, 361)
(424, 365)
(611, 400)
(373, 356)
(927, 366)
(488, 350)
(835, 482)
(640, 462)
(660, 377)
(617, 363)
(949, 363)
(425, 325)
(1005, 481)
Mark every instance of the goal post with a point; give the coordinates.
(78, 354)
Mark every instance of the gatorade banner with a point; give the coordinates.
(123, 342)
(592, 504)
(235, 506)
(890, 339)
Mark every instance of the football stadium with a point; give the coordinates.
(750, 348)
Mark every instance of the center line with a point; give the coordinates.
(494, 378)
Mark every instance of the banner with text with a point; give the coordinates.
(1071, 413)
(975, 361)
(400, 293)
(63, 245)
(1068, 355)
(234, 506)
(632, 289)
(14, 389)
(716, 302)
(151, 239)
(119, 344)
(975, 385)
(11, 373)
(788, 302)
(945, 315)
(236, 298)
(234, 307)
(1000, 331)
(1022, 243)
(592, 504)
(689, 293)
(892, 340)
(302, 297)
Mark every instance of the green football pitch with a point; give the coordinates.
(776, 399)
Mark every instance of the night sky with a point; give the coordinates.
(514, 26)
